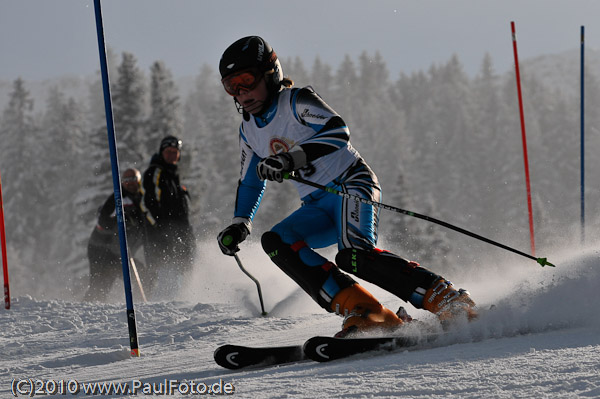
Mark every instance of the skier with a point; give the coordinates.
(286, 129)
(171, 241)
(104, 253)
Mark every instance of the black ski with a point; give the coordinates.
(319, 348)
(235, 357)
(325, 349)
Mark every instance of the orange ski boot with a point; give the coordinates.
(443, 300)
(362, 312)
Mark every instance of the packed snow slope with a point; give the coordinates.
(540, 340)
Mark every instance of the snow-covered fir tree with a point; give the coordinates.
(442, 143)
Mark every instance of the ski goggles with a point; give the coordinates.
(247, 79)
(170, 142)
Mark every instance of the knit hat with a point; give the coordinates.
(170, 141)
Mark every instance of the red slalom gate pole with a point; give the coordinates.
(524, 137)
(4, 257)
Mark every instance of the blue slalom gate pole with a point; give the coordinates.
(112, 143)
(582, 138)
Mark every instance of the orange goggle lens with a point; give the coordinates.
(247, 80)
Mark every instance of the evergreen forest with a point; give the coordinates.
(443, 144)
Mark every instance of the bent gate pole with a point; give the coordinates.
(112, 143)
(4, 256)
(524, 138)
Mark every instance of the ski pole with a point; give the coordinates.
(262, 305)
(542, 261)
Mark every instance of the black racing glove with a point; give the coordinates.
(231, 237)
(274, 167)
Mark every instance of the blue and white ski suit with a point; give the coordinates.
(298, 117)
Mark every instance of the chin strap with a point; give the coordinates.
(238, 107)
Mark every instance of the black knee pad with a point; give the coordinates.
(310, 278)
(386, 270)
(271, 243)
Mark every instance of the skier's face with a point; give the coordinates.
(253, 100)
(171, 155)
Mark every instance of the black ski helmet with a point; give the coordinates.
(252, 52)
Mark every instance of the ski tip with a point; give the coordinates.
(544, 262)
(226, 356)
(135, 353)
(317, 348)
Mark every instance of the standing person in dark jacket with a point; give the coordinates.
(104, 252)
(171, 242)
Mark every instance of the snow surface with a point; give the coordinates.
(539, 341)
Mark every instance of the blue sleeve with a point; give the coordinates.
(250, 188)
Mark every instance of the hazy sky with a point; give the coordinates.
(49, 38)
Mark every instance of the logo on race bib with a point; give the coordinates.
(278, 145)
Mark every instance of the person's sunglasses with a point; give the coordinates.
(247, 80)
(129, 179)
